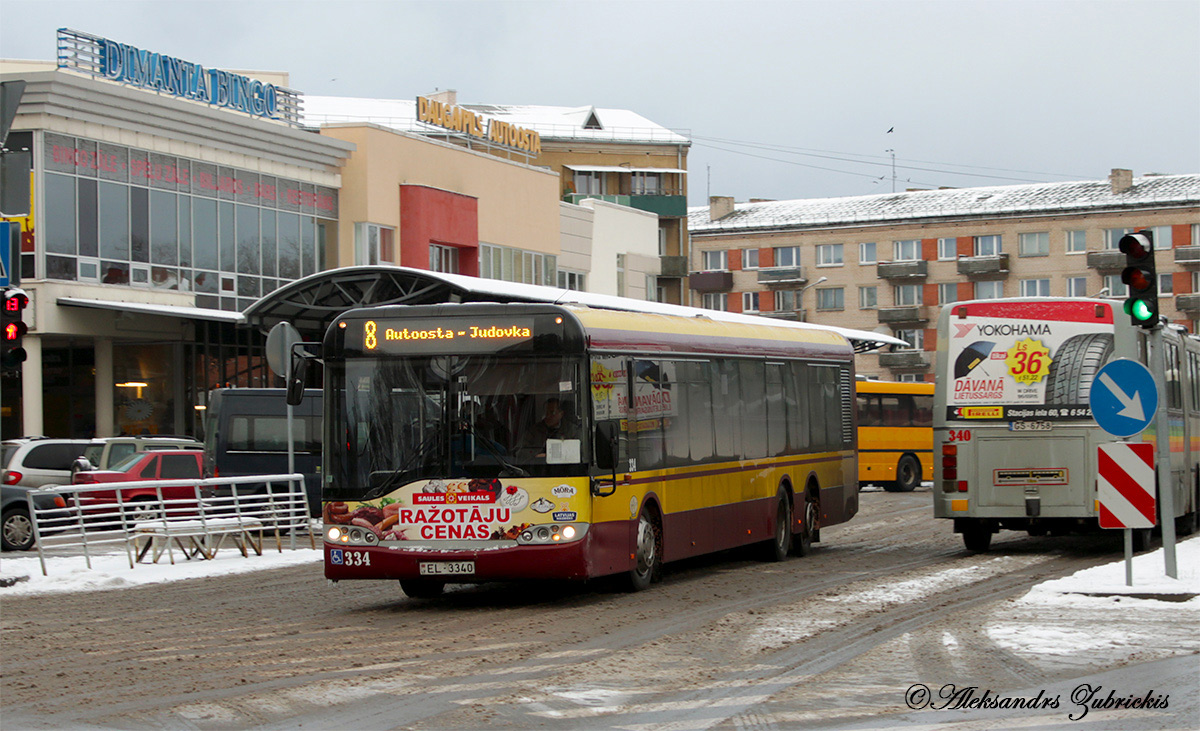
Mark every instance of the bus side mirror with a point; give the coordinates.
(606, 445)
(295, 385)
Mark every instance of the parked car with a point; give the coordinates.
(103, 453)
(37, 461)
(16, 524)
(167, 464)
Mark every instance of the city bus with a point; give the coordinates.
(474, 442)
(895, 433)
(1013, 427)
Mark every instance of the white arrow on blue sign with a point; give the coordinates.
(1124, 397)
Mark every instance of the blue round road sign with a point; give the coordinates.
(1123, 397)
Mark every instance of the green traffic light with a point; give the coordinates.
(1141, 310)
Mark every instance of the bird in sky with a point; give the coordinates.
(890, 130)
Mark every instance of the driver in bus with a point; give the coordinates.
(554, 425)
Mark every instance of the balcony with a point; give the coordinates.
(1188, 302)
(673, 266)
(711, 281)
(904, 318)
(902, 269)
(781, 276)
(671, 206)
(983, 267)
(797, 315)
(906, 360)
(1188, 256)
(1106, 260)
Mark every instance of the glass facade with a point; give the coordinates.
(126, 216)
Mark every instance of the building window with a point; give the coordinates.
(647, 183)
(947, 249)
(576, 281)
(662, 241)
(749, 301)
(1114, 285)
(907, 250)
(714, 301)
(1035, 287)
(947, 292)
(1166, 283)
(1077, 286)
(749, 258)
(868, 298)
(1163, 239)
(866, 253)
(443, 259)
(1112, 236)
(1076, 242)
(914, 338)
(987, 245)
(1034, 244)
(589, 183)
(833, 298)
(373, 244)
(989, 290)
(1195, 235)
(713, 261)
(785, 300)
(907, 295)
(787, 256)
(829, 255)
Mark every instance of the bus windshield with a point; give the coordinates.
(453, 417)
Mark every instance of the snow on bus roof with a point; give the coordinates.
(862, 340)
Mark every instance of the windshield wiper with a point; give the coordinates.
(393, 478)
(510, 469)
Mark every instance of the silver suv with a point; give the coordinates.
(102, 454)
(37, 461)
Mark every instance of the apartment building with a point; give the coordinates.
(888, 262)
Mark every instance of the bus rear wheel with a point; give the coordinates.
(802, 541)
(422, 588)
(780, 545)
(977, 538)
(908, 475)
(647, 552)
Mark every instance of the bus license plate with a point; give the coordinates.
(446, 568)
(1029, 426)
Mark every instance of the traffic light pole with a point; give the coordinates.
(1162, 448)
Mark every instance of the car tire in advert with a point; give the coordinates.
(1075, 366)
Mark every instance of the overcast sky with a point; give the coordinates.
(781, 99)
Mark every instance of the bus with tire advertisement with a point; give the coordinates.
(1014, 436)
(484, 441)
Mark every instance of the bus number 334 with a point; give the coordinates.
(349, 558)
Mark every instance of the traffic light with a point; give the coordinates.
(1141, 277)
(12, 327)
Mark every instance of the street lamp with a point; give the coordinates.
(805, 288)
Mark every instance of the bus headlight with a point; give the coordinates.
(334, 534)
(568, 532)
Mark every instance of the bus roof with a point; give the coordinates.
(700, 334)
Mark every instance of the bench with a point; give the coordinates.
(194, 538)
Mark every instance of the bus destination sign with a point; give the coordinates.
(446, 335)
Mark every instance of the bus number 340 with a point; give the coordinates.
(960, 435)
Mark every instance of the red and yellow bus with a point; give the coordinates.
(895, 433)
(670, 437)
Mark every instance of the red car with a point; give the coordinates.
(166, 464)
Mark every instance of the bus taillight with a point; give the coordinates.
(950, 468)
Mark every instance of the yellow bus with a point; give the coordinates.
(484, 441)
(895, 433)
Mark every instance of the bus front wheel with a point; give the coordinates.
(422, 588)
(647, 552)
(908, 475)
